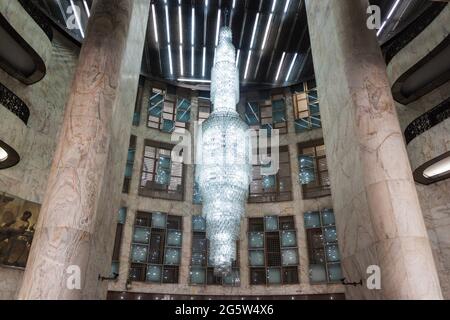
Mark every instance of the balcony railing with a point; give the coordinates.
(14, 104)
(428, 120)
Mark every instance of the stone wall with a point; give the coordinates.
(186, 208)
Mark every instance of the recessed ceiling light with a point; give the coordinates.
(204, 62)
(77, 17)
(170, 59)
(181, 61)
(180, 24)
(86, 7)
(286, 7)
(155, 29)
(237, 57)
(218, 26)
(248, 64)
(194, 80)
(266, 33)
(166, 9)
(439, 168)
(192, 60)
(291, 67)
(3, 154)
(254, 31)
(279, 67)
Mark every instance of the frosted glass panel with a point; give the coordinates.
(139, 253)
(271, 223)
(332, 253)
(141, 235)
(256, 258)
(273, 276)
(172, 256)
(159, 220)
(328, 217)
(198, 223)
(174, 238)
(317, 273)
(154, 274)
(335, 272)
(198, 276)
(288, 239)
(312, 220)
(256, 240)
(330, 234)
(289, 257)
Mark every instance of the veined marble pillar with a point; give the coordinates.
(76, 226)
(378, 215)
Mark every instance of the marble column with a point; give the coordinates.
(378, 215)
(75, 231)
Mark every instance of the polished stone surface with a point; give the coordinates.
(378, 214)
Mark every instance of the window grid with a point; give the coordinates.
(156, 248)
(161, 177)
(272, 188)
(167, 112)
(323, 249)
(200, 263)
(279, 244)
(129, 165)
(306, 108)
(313, 170)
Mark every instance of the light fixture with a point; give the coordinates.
(170, 59)
(224, 169)
(193, 26)
(77, 18)
(437, 169)
(192, 61)
(155, 29)
(266, 33)
(237, 57)
(194, 80)
(180, 24)
(234, 4)
(286, 7)
(3, 154)
(218, 26)
(86, 7)
(291, 67)
(391, 12)
(247, 64)
(181, 61)
(254, 30)
(166, 9)
(274, 4)
(204, 62)
(280, 65)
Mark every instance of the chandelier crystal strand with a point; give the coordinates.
(224, 174)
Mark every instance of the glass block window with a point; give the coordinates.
(161, 177)
(204, 106)
(313, 170)
(156, 248)
(273, 251)
(122, 216)
(138, 105)
(306, 107)
(201, 272)
(129, 166)
(324, 258)
(266, 114)
(272, 188)
(166, 112)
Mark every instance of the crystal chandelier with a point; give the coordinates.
(224, 171)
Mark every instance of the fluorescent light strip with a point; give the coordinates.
(391, 12)
(77, 18)
(154, 23)
(86, 7)
(279, 67)
(192, 60)
(204, 62)
(266, 33)
(193, 26)
(166, 8)
(206, 3)
(170, 59)
(181, 61)
(248, 64)
(234, 4)
(218, 26)
(274, 5)
(180, 25)
(237, 57)
(291, 67)
(194, 80)
(286, 7)
(254, 31)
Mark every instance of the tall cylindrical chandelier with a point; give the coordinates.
(224, 171)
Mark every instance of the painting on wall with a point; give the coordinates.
(18, 218)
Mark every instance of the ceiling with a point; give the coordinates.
(281, 56)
